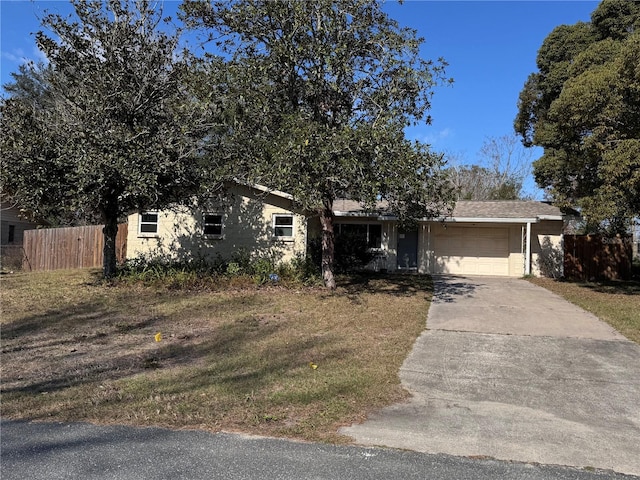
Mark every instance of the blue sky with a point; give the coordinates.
(490, 47)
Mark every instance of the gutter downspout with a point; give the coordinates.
(527, 261)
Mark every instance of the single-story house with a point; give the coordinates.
(506, 238)
(251, 218)
(13, 223)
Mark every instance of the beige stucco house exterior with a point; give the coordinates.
(250, 218)
(503, 238)
(499, 238)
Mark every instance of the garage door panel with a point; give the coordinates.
(472, 251)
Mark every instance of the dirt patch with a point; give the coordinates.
(276, 361)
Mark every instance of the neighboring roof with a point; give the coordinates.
(469, 210)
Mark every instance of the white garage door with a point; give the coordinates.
(472, 251)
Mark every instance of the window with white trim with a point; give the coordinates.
(283, 227)
(370, 232)
(148, 225)
(213, 224)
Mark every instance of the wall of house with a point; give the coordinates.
(517, 234)
(11, 221)
(547, 249)
(247, 223)
(546, 245)
(390, 245)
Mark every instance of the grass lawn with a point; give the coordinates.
(236, 360)
(615, 302)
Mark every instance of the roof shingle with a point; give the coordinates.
(469, 208)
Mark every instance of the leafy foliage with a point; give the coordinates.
(241, 268)
(111, 125)
(583, 108)
(352, 252)
(325, 89)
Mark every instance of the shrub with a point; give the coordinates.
(352, 253)
(241, 270)
(301, 269)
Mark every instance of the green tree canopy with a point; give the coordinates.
(111, 125)
(326, 89)
(583, 108)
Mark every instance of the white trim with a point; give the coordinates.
(527, 261)
(488, 220)
(338, 229)
(373, 216)
(213, 236)
(264, 189)
(142, 234)
(451, 219)
(285, 238)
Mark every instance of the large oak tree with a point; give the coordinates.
(111, 125)
(326, 89)
(583, 107)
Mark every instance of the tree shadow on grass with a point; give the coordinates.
(52, 352)
(613, 287)
(400, 285)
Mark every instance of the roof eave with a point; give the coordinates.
(377, 216)
(389, 217)
(489, 220)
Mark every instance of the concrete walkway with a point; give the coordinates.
(511, 371)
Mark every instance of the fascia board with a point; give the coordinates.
(277, 193)
(453, 219)
(488, 220)
(364, 215)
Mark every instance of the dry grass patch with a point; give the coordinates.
(76, 349)
(615, 302)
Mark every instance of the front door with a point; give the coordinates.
(407, 249)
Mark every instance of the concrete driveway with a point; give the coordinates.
(509, 370)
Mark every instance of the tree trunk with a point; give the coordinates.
(328, 244)
(110, 231)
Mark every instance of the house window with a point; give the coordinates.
(213, 224)
(149, 223)
(12, 234)
(371, 233)
(283, 226)
(374, 235)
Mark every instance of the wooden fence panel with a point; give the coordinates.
(69, 247)
(588, 257)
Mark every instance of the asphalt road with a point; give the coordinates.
(82, 451)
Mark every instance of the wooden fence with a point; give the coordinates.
(69, 247)
(594, 257)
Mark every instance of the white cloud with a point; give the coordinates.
(433, 138)
(18, 56)
(39, 56)
(15, 56)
